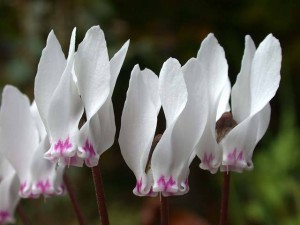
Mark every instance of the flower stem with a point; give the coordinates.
(164, 210)
(100, 195)
(22, 215)
(74, 200)
(225, 199)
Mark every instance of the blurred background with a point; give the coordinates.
(269, 195)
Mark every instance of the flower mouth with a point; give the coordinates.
(225, 124)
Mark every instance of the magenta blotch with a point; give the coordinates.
(62, 146)
(4, 216)
(235, 156)
(43, 186)
(166, 184)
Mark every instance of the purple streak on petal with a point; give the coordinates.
(235, 156)
(43, 186)
(166, 184)
(4, 216)
(62, 146)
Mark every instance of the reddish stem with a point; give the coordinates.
(74, 200)
(102, 210)
(22, 215)
(164, 210)
(225, 199)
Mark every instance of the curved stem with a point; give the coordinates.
(164, 210)
(22, 215)
(102, 210)
(225, 199)
(74, 200)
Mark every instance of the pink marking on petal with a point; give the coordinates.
(22, 187)
(62, 146)
(4, 215)
(88, 147)
(235, 156)
(43, 186)
(207, 160)
(165, 183)
(139, 185)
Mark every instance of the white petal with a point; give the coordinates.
(116, 63)
(43, 173)
(239, 143)
(214, 65)
(224, 100)
(240, 95)
(138, 124)
(172, 90)
(38, 120)
(50, 69)
(18, 134)
(171, 157)
(9, 198)
(92, 69)
(265, 73)
(213, 62)
(65, 112)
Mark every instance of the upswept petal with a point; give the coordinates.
(214, 66)
(138, 125)
(18, 134)
(116, 63)
(44, 173)
(239, 143)
(240, 94)
(213, 63)
(174, 152)
(92, 69)
(98, 133)
(265, 73)
(65, 111)
(38, 121)
(50, 69)
(172, 90)
(9, 198)
(224, 100)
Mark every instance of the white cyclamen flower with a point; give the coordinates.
(230, 138)
(9, 186)
(64, 88)
(23, 141)
(181, 94)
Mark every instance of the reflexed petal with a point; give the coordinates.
(172, 90)
(50, 69)
(38, 121)
(265, 73)
(240, 95)
(98, 133)
(171, 157)
(224, 100)
(213, 63)
(116, 63)
(263, 121)
(239, 143)
(65, 112)
(92, 69)
(9, 198)
(138, 124)
(44, 173)
(18, 134)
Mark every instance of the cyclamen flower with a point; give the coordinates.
(64, 88)
(23, 142)
(181, 95)
(9, 186)
(230, 138)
